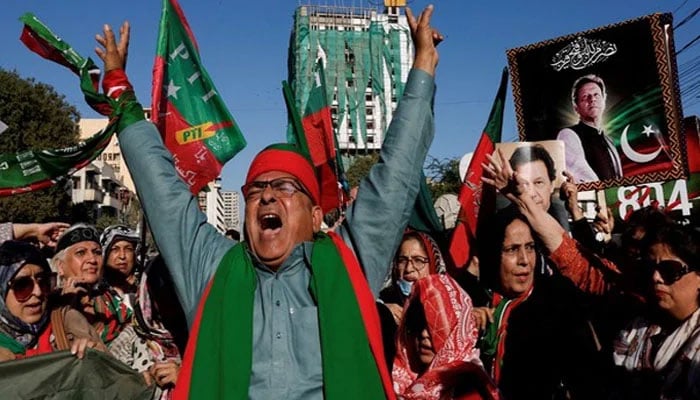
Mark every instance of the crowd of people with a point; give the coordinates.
(546, 308)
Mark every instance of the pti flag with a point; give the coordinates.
(192, 118)
(314, 134)
(471, 194)
(30, 170)
(320, 137)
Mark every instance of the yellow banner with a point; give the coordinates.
(195, 133)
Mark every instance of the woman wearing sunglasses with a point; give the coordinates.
(658, 353)
(28, 326)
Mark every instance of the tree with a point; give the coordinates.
(360, 168)
(106, 219)
(443, 176)
(37, 118)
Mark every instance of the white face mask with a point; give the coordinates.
(405, 286)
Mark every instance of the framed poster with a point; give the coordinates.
(611, 95)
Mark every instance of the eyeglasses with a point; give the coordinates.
(671, 270)
(417, 261)
(281, 187)
(23, 287)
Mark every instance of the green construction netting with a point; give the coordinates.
(355, 60)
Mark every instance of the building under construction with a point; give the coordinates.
(367, 54)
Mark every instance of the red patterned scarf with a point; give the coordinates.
(453, 331)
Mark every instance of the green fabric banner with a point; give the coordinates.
(62, 375)
(30, 170)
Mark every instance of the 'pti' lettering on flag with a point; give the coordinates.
(192, 118)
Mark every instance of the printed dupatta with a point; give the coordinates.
(454, 333)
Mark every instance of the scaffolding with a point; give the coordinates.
(367, 55)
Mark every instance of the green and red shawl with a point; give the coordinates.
(216, 366)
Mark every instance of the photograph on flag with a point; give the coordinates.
(619, 127)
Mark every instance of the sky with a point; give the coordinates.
(243, 46)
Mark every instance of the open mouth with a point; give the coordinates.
(270, 221)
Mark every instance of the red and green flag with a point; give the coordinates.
(193, 120)
(30, 170)
(471, 196)
(314, 134)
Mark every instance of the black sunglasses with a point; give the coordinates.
(670, 270)
(23, 287)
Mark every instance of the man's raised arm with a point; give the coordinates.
(386, 197)
(191, 247)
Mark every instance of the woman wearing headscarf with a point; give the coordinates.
(79, 263)
(28, 324)
(162, 352)
(418, 256)
(145, 344)
(657, 353)
(436, 355)
(120, 245)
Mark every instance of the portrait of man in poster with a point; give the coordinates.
(611, 95)
(591, 153)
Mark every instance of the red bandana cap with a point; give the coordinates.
(285, 157)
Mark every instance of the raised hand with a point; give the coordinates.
(49, 232)
(498, 173)
(568, 192)
(483, 316)
(113, 53)
(425, 39)
(46, 233)
(604, 223)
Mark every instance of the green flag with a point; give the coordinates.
(30, 170)
(195, 124)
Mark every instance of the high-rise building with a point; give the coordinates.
(232, 218)
(211, 203)
(367, 56)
